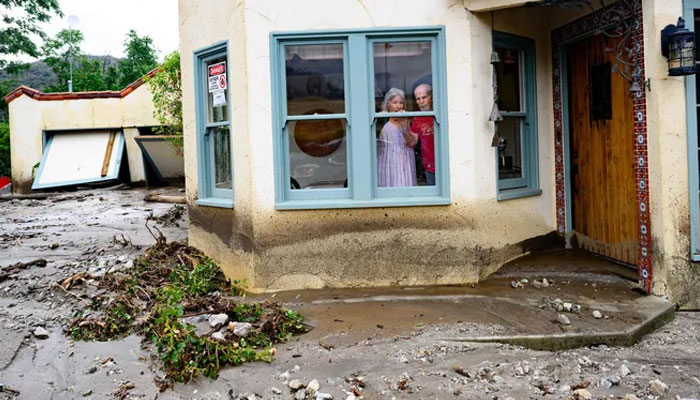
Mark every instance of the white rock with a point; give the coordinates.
(576, 308)
(323, 396)
(582, 394)
(284, 376)
(605, 383)
(657, 388)
(296, 369)
(630, 396)
(567, 307)
(274, 390)
(242, 329)
(218, 336)
(295, 384)
(313, 387)
(545, 282)
(563, 319)
(597, 314)
(218, 320)
(41, 333)
(300, 395)
(624, 370)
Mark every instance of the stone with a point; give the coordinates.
(300, 395)
(313, 387)
(516, 284)
(563, 319)
(323, 396)
(545, 282)
(218, 320)
(605, 383)
(657, 388)
(582, 394)
(284, 376)
(242, 329)
(41, 333)
(624, 370)
(568, 307)
(295, 384)
(630, 396)
(274, 390)
(218, 336)
(576, 308)
(597, 314)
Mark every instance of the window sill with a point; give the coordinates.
(518, 193)
(695, 258)
(215, 202)
(375, 203)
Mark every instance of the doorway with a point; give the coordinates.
(601, 152)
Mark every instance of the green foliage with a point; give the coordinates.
(116, 321)
(5, 149)
(21, 25)
(140, 58)
(166, 88)
(204, 278)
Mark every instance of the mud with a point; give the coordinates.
(398, 340)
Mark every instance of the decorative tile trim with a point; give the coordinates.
(581, 28)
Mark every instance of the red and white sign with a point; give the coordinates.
(217, 69)
(217, 77)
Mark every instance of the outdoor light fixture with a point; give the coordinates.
(678, 46)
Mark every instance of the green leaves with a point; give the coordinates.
(22, 21)
(166, 88)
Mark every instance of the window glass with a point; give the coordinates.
(405, 152)
(404, 66)
(222, 157)
(508, 78)
(317, 154)
(314, 76)
(216, 84)
(510, 148)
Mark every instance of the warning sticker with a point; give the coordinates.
(219, 98)
(216, 77)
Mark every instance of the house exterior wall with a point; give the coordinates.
(29, 117)
(458, 243)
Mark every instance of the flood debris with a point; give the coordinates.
(123, 390)
(168, 285)
(162, 198)
(173, 217)
(7, 272)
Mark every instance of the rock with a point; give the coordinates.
(582, 394)
(524, 280)
(274, 390)
(300, 395)
(284, 376)
(295, 384)
(41, 333)
(313, 387)
(563, 319)
(516, 284)
(545, 282)
(597, 314)
(657, 388)
(497, 379)
(351, 397)
(218, 336)
(630, 396)
(605, 383)
(296, 369)
(403, 359)
(242, 329)
(218, 320)
(323, 396)
(568, 307)
(576, 308)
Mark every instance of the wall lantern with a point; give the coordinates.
(678, 46)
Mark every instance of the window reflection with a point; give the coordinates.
(510, 148)
(222, 158)
(401, 65)
(317, 154)
(314, 76)
(508, 78)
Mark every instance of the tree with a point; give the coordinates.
(88, 72)
(5, 149)
(140, 58)
(21, 22)
(166, 88)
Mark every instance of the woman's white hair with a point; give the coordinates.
(393, 92)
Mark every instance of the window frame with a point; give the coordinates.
(529, 183)
(209, 195)
(689, 8)
(360, 114)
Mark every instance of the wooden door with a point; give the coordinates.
(601, 133)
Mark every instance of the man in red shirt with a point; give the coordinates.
(424, 128)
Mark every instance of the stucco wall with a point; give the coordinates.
(378, 246)
(29, 117)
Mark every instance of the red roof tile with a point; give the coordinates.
(41, 96)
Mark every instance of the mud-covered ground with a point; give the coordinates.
(396, 344)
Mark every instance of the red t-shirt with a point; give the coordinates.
(423, 127)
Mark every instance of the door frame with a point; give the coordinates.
(562, 37)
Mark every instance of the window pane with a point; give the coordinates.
(404, 66)
(405, 152)
(222, 157)
(315, 82)
(510, 148)
(216, 83)
(508, 78)
(317, 154)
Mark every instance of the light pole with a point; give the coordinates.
(72, 22)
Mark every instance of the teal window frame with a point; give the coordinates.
(209, 195)
(689, 7)
(529, 183)
(360, 116)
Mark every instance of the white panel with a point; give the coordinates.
(78, 157)
(165, 156)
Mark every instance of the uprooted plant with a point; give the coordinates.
(170, 282)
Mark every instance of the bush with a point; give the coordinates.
(5, 149)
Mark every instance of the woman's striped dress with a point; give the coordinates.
(396, 162)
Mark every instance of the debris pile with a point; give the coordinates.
(172, 286)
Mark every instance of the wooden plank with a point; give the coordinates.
(108, 153)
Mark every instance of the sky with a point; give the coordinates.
(105, 23)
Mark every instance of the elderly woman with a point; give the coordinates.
(396, 162)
